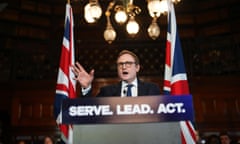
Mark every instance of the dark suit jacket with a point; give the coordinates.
(144, 89)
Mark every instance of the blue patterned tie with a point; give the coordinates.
(129, 91)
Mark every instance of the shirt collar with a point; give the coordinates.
(134, 82)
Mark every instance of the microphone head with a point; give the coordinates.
(124, 92)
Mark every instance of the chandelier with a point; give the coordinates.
(125, 12)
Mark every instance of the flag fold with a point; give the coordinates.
(175, 77)
(66, 86)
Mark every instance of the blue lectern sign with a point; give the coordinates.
(127, 110)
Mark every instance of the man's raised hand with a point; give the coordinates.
(85, 79)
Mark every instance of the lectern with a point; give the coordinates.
(138, 120)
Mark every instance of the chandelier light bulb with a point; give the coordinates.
(132, 26)
(126, 11)
(121, 16)
(153, 29)
(154, 8)
(164, 6)
(95, 10)
(176, 1)
(87, 15)
(109, 34)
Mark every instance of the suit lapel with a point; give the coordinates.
(141, 88)
(117, 89)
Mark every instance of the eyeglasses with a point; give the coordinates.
(127, 64)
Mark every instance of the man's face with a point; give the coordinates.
(127, 68)
(48, 141)
(225, 139)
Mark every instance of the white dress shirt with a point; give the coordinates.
(134, 88)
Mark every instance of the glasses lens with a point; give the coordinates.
(127, 64)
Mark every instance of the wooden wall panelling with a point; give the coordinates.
(10, 15)
(33, 108)
(216, 103)
(30, 32)
(36, 20)
(210, 16)
(222, 28)
(5, 95)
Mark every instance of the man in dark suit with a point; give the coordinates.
(128, 66)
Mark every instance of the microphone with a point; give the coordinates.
(124, 92)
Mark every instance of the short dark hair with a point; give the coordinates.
(130, 53)
(224, 133)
